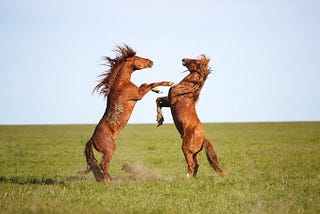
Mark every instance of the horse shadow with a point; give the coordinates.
(32, 180)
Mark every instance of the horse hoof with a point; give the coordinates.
(84, 172)
(223, 174)
(156, 90)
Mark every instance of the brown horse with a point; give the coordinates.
(181, 99)
(122, 96)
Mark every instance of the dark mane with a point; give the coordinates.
(108, 77)
(182, 99)
(203, 71)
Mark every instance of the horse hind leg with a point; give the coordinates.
(108, 152)
(191, 146)
(92, 162)
(196, 166)
(192, 165)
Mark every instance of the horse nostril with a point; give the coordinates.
(184, 61)
(151, 64)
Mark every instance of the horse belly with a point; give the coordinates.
(183, 116)
(183, 112)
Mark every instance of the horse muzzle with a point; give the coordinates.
(184, 61)
(150, 64)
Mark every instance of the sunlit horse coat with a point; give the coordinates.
(122, 96)
(181, 99)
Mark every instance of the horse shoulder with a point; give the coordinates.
(130, 91)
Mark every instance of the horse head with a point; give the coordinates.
(199, 70)
(139, 63)
(125, 62)
(197, 65)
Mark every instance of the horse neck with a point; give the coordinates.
(125, 72)
(194, 81)
(191, 78)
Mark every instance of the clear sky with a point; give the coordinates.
(265, 57)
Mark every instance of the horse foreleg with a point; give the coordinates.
(154, 85)
(145, 88)
(161, 102)
(163, 83)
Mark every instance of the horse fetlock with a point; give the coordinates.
(97, 174)
(107, 177)
(195, 171)
(156, 90)
(168, 83)
(222, 173)
(84, 172)
(160, 119)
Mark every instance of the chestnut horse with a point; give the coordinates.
(122, 96)
(181, 99)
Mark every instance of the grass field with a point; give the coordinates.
(272, 168)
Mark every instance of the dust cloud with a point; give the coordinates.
(142, 172)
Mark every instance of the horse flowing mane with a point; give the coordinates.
(203, 71)
(109, 77)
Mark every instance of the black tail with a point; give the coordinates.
(212, 157)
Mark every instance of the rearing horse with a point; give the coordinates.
(181, 99)
(122, 96)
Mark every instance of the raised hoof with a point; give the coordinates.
(160, 123)
(156, 90)
(160, 119)
(170, 83)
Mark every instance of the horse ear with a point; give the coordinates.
(205, 59)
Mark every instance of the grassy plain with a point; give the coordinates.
(272, 168)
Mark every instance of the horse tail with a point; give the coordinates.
(212, 157)
(88, 151)
(92, 164)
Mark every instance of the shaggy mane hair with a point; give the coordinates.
(203, 70)
(110, 76)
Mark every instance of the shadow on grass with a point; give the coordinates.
(31, 180)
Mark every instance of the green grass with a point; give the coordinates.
(272, 168)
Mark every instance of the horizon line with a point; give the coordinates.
(169, 123)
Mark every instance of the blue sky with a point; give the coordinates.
(265, 57)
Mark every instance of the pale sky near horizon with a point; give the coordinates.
(265, 57)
